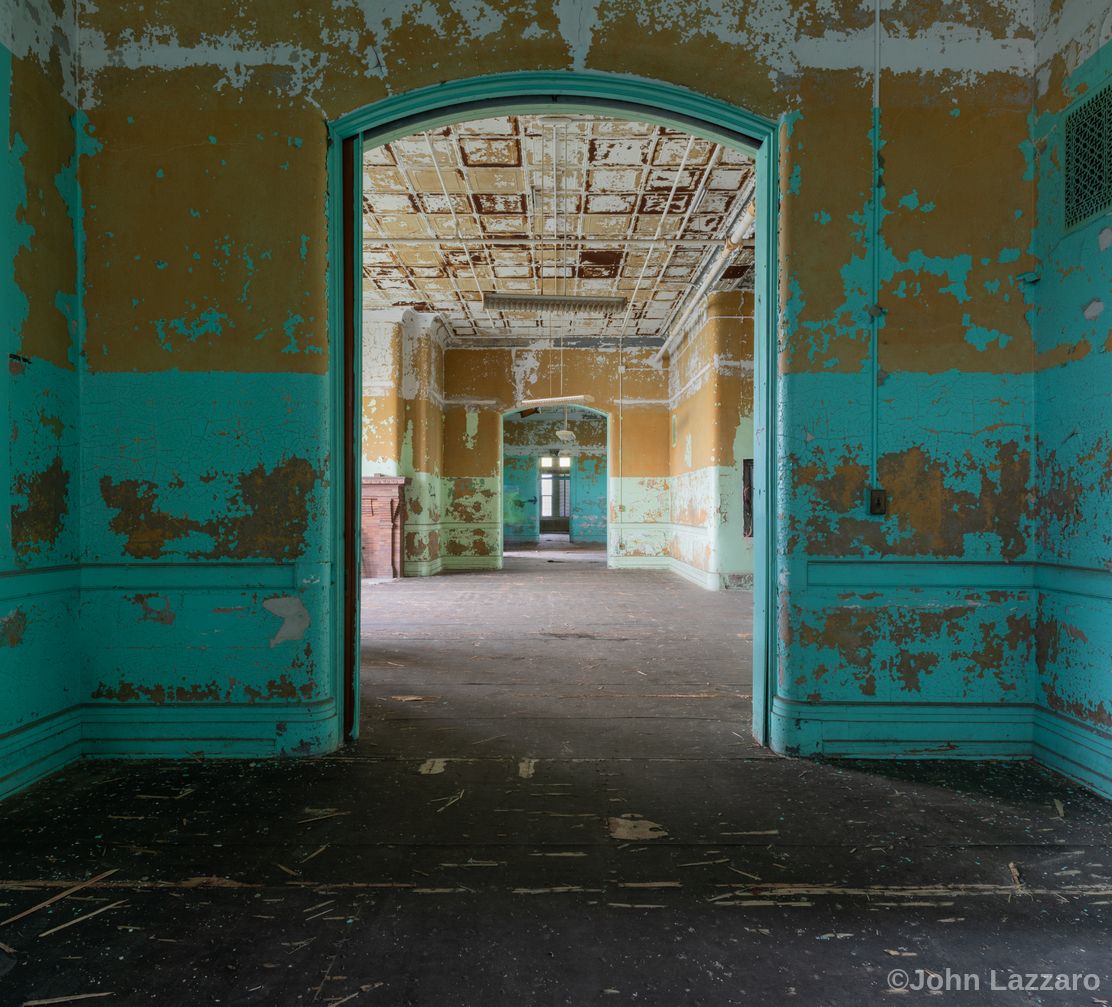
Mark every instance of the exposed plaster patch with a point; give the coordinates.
(577, 20)
(773, 30)
(12, 628)
(471, 430)
(525, 369)
(1074, 31)
(294, 614)
(269, 515)
(32, 28)
(1093, 310)
(230, 52)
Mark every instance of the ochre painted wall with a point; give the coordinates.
(711, 393)
(205, 416)
(403, 423)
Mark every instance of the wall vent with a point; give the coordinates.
(1088, 174)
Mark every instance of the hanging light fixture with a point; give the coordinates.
(567, 435)
(557, 400)
(552, 304)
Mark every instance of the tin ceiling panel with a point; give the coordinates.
(575, 205)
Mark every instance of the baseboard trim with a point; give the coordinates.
(39, 749)
(703, 578)
(1077, 751)
(706, 579)
(902, 730)
(228, 731)
(471, 562)
(148, 731)
(638, 562)
(422, 567)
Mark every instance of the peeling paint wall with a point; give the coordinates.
(39, 320)
(1072, 298)
(908, 215)
(452, 444)
(521, 512)
(525, 440)
(589, 506)
(403, 424)
(482, 384)
(710, 382)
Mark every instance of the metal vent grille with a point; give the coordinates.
(1089, 159)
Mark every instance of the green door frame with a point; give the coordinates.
(542, 92)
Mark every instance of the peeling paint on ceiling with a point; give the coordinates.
(580, 205)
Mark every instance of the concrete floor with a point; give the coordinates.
(554, 801)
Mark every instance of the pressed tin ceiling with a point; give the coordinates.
(583, 206)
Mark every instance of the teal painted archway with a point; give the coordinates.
(538, 93)
(606, 415)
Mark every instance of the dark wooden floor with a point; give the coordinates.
(554, 801)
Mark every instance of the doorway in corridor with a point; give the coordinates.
(569, 234)
(555, 466)
(555, 495)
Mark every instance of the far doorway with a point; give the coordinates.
(555, 480)
(555, 493)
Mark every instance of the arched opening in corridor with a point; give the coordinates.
(697, 137)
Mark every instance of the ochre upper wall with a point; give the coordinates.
(207, 242)
(711, 386)
(486, 383)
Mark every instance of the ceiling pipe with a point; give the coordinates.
(741, 229)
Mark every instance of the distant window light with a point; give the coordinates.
(565, 461)
(546, 496)
(546, 461)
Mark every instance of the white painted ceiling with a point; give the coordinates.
(580, 205)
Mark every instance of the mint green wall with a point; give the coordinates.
(40, 726)
(525, 439)
(588, 498)
(1072, 596)
(520, 500)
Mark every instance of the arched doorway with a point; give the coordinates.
(539, 92)
(556, 483)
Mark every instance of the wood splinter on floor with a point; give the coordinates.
(87, 916)
(58, 898)
(449, 801)
(321, 818)
(316, 853)
(66, 999)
